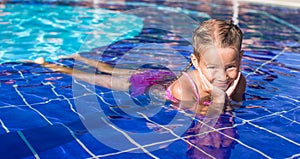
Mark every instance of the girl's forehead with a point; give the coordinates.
(216, 54)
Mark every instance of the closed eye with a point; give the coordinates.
(211, 67)
(230, 67)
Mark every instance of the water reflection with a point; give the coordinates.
(217, 142)
(212, 133)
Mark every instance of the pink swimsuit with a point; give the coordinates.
(172, 98)
(141, 82)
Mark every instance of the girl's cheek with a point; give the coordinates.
(233, 74)
(209, 75)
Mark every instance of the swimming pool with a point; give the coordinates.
(41, 112)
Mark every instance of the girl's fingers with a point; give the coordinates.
(206, 85)
(213, 90)
(217, 92)
(230, 90)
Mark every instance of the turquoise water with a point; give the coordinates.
(29, 31)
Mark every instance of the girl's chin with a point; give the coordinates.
(222, 87)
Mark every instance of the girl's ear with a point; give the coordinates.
(195, 61)
(240, 58)
(241, 54)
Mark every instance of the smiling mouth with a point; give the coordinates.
(222, 85)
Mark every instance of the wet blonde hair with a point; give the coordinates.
(218, 33)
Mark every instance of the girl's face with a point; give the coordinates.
(220, 66)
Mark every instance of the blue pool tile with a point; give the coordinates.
(19, 118)
(241, 151)
(282, 105)
(248, 114)
(36, 93)
(13, 141)
(281, 126)
(58, 111)
(10, 96)
(69, 150)
(293, 114)
(265, 142)
(130, 155)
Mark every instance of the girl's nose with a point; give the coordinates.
(221, 75)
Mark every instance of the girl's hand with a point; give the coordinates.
(232, 87)
(217, 94)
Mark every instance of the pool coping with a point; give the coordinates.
(285, 3)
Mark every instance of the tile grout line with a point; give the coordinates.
(107, 104)
(275, 113)
(269, 131)
(130, 139)
(93, 93)
(171, 9)
(247, 75)
(24, 105)
(27, 105)
(285, 48)
(4, 127)
(295, 100)
(38, 103)
(161, 142)
(78, 141)
(246, 121)
(294, 156)
(64, 97)
(28, 144)
(101, 98)
(240, 142)
(279, 20)
(259, 67)
(126, 135)
(267, 62)
(176, 135)
(24, 100)
(118, 152)
(20, 72)
(280, 114)
(274, 133)
(26, 141)
(72, 133)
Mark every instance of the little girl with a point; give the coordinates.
(216, 78)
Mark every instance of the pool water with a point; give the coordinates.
(30, 31)
(44, 114)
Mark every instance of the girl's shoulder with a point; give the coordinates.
(184, 88)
